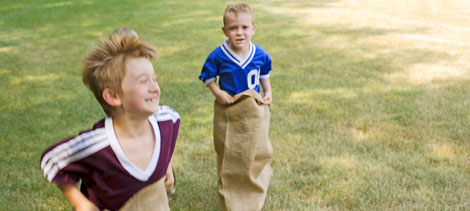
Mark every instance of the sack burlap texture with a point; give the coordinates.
(243, 151)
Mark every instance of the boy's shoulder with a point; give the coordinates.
(165, 113)
(73, 148)
(216, 52)
(259, 49)
(78, 141)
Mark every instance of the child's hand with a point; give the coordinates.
(221, 96)
(224, 98)
(169, 179)
(76, 198)
(268, 98)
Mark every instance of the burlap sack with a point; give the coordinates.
(243, 152)
(152, 197)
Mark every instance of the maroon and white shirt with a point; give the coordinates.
(95, 157)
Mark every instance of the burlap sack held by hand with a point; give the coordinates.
(152, 197)
(243, 151)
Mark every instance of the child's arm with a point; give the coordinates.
(221, 96)
(76, 198)
(268, 96)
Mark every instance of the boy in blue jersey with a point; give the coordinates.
(239, 63)
(242, 155)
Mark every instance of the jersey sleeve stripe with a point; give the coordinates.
(82, 154)
(167, 113)
(206, 81)
(53, 160)
(76, 144)
(264, 76)
(73, 150)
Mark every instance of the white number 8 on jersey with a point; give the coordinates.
(253, 79)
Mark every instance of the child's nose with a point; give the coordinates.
(154, 87)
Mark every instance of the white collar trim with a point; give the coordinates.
(242, 62)
(142, 175)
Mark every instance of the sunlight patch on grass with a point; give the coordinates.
(91, 22)
(435, 40)
(169, 50)
(442, 151)
(6, 49)
(13, 7)
(296, 31)
(47, 28)
(346, 162)
(19, 38)
(378, 87)
(426, 73)
(387, 133)
(58, 4)
(341, 93)
(31, 78)
(97, 33)
(4, 71)
(384, 29)
(301, 97)
(309, 101)
(308, 96)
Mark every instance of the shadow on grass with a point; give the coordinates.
(345, 133)
(337, 100)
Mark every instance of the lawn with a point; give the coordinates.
(371, 103)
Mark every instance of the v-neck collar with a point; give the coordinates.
(242, 62)
(136, 172)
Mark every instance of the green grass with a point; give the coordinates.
(371, 107)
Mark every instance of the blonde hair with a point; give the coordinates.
(238, 8)
(104, 66)
(123, 32)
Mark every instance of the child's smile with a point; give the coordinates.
(141, 92)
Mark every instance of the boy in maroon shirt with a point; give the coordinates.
(128, 150)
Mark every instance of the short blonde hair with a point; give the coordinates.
(123, 32)
(238, 8)
(104, 66)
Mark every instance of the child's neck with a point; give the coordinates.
(242, 52)
(132, 128)
(136, 138)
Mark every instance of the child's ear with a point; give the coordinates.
(254, 29)
(223, 30)
(111, 98)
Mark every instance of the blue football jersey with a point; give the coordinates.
(236, 74)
